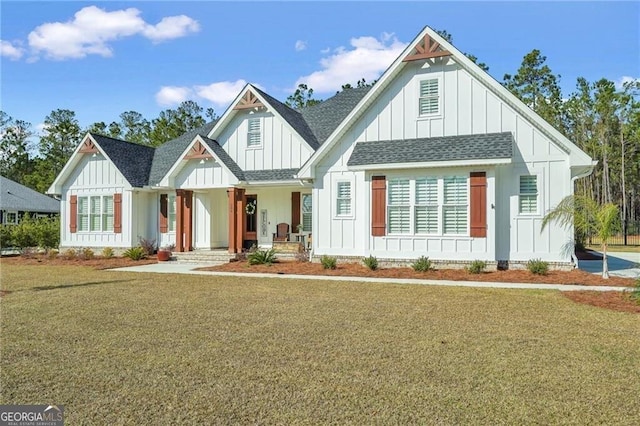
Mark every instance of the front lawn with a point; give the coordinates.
(128, 348)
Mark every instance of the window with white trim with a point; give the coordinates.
(426, 206)
(171, 213)
(343, 198)
(253, 133)
(455, 205)
(11, 218)
(399, 206)
(429, 103)
(95, 213)
(306, 206)
(528, 199)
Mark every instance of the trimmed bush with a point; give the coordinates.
(370, 262)
(52, 254)
(422, 264)
(107, 252)
(135, 253)
(87, 253)
(328, 262)
(538, 267)
(70, 254)
(262, 257)
(477, 267)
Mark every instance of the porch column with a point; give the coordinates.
(233, 217)
(179, 220)
(188, 220)
(241, 218)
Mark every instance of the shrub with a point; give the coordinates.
(135, 253)
(24, 234)
(6, 239)
(148, 245)
(70, 254)
(52, 254)
(370, 262)
(423, 264)
(328, 262)
(87, 253)
(635, 293)
(538, 267)
(477, 267)
(262, 257)
(302, 256)
(47, 232)
(107, 252)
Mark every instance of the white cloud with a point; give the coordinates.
(220, 93)
(325, 50)
(92, 29)
(11, 51)
(367, 58)
(301, 45)
(172, 95)
(625, 79)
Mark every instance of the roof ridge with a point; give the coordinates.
(94, 134)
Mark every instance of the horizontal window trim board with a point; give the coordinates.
(431, 164)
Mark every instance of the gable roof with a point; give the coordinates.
(491, 146)
(132, 159)
(324, 117)
(577, 157)
(224, 157)
(17, 197)
(167, 154)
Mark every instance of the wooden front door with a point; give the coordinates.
(251, 220)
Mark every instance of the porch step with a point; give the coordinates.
(203, 256)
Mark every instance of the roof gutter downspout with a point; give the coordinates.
(586, 171)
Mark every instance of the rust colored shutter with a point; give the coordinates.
(164, 222)
(478, 204)
(295, 211)
(378, 206)
(73, 214)
(117, 213)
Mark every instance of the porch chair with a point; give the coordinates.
(282, 232)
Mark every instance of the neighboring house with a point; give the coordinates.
(436, 159)
(17, 200)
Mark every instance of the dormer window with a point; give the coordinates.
(429, 97)
(253, 133)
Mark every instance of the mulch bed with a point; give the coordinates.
(575, 276)
(97, 262)
(614, 300)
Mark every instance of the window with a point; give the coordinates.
(455, 205)
(253, 135)
(399, 210)
(95, 214)
(11, 218)
(426, 207)
(343, 201)
(171, 213)
(306, 213)
(429, 97)
(528, 194)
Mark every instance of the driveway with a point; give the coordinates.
(620, 264)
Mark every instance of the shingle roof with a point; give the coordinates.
(167, 153)
(268, 175)
(14, 196)
(293, 117)
(224, 157)
(324, 118)
(447, 148)
(133, 160)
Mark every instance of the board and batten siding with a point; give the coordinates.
(280, 148)
(466, 107)
(201, 174)
(96, 176)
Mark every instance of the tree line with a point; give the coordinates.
(602, 119)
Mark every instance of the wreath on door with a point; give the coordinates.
(250, 208)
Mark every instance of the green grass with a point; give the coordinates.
(124, 348)
(617, 248)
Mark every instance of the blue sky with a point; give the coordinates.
(103, 58)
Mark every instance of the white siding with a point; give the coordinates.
(196, 174)
(281, 148)
(467, 107)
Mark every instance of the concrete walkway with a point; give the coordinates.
(621, 264)
(189, 268)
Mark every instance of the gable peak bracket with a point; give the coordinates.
(427, 48)
(88, 147)
(197, 151)
(249, 101)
